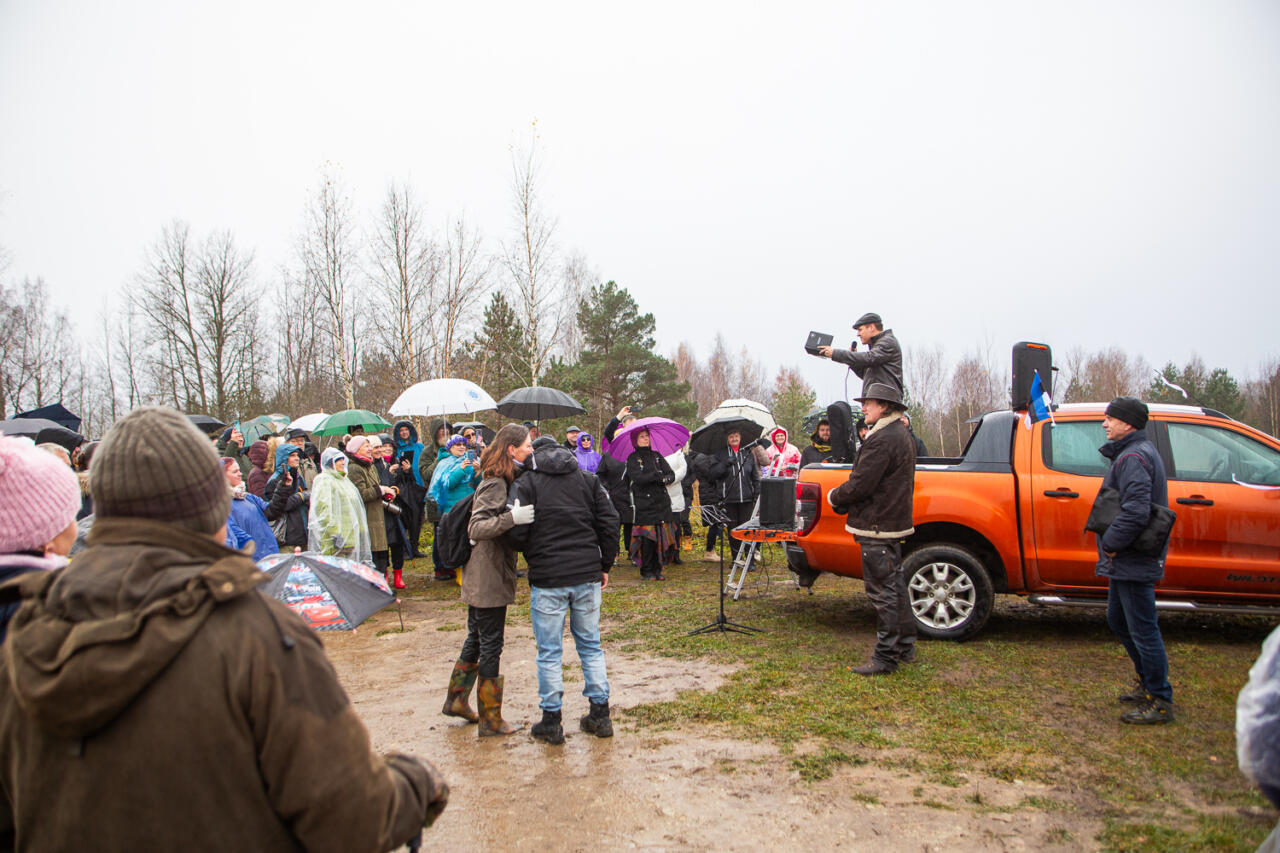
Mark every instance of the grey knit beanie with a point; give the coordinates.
(155, 464)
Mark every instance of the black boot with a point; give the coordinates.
(597, 722)
(549, 728)
(1152, 712)
(1136, 695)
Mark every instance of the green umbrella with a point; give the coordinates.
(342, 422)
(257, 429)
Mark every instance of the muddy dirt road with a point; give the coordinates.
(687, 789)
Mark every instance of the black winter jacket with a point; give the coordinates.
(1137, 473)
(574, 535)
(881, 361)
(648, 476)
(879, 490)
(613, 474)
(292, 502)
(811, 455)
(736, 477)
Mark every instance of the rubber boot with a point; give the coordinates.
(489, 695)
(460, 683)
(399, 584)
(549, 729)
(597, 722)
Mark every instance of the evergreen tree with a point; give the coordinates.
(792, 400)
(1214, 389)
(617, 365)
(493, 359)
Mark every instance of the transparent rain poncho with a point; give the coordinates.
(1258, 721)
(337, 524)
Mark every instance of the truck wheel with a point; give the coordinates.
(949, 590)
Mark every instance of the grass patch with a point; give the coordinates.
(814, 768)
(450, 626)
(1204, 833)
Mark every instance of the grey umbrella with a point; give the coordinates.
(27, 426)
(538, 403)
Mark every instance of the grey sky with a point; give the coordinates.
(979, 173)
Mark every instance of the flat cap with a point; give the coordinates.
(869, 317)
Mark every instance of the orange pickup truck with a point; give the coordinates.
(1008, 517)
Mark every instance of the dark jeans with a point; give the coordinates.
(887, 588)
(1131, 613)
(485, 628)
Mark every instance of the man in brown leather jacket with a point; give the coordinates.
(878, 498)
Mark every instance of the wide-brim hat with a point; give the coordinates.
(882, 392)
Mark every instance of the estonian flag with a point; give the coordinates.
(1041, 404)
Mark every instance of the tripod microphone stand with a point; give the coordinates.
(716, 515)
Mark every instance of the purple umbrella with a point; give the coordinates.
(666, 436)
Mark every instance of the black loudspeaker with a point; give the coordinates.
(1028, 359)
(778, 503)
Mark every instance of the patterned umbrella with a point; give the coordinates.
(329, 593)
(665, 435)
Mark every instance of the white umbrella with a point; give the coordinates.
(442, 397)
(307, 423)
(739, 408)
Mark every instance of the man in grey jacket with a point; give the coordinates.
(880, 362)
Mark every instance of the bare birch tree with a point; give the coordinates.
(466, 281)
(530, 260)
(328, 253)
(407, 271)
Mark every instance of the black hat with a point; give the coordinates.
(882, 392)
(573, 429)
(296, 433)
(1131, 410)
(869, 317)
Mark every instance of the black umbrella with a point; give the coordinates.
(29, 427)
(55, 412)
(207, 424)
(713, 437)
(61, 436)
(538, 403)
(486, 432)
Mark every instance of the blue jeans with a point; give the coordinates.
(1131, 613)
(547, 609)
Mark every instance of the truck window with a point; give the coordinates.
(1072, 447)
(1214, 455)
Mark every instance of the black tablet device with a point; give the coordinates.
(816, 340)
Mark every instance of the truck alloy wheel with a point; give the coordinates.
(949, 590)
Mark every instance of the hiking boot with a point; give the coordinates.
(548, 729)
(1152, 712)
(460, 683)
(1136, 696)
(909, 656)
(711, 557)
(873, 668)
(597, 722)
(489, 695)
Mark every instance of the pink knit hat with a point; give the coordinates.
(39, 496)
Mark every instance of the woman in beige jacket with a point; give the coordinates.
(489, 583)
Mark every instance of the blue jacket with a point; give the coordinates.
(452, 481)
(1137, 473)
(250, 515)
(411, 446)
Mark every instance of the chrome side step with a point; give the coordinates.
(1165, 604)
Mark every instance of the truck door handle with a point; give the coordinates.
(1195, 501)
(1060, 493)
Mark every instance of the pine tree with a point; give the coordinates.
(494, 357)
(617, 365)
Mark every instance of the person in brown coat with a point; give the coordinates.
(256, 483)
(151, 698)
(489, 583)
(877, 498)
(367, 481)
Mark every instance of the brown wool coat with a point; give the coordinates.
(365, 478)
(489, 578)
(151, 698)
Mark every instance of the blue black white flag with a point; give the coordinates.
(1041, 404)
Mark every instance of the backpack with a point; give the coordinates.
(453, 544)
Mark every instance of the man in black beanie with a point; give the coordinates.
(1137, 473)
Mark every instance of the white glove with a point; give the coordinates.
(829, 502)
(522, 514)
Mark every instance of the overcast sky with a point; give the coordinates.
(1084, 173)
